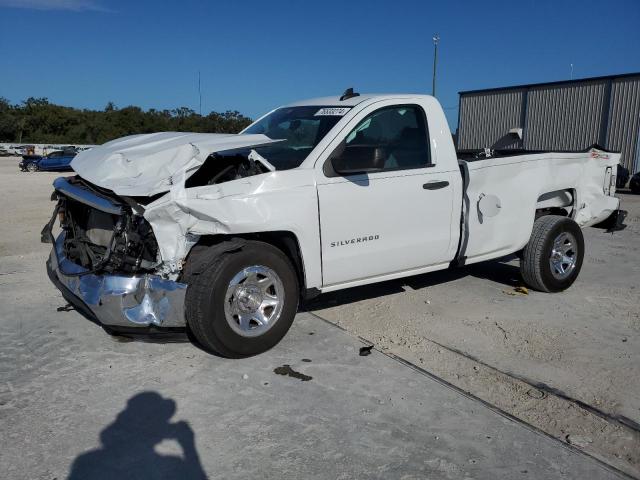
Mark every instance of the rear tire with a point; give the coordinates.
(242, 302)
(552, 259)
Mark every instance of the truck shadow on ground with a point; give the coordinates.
(497, 271)
(128, 445)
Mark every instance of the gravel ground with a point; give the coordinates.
(584, 342)
(566, 363)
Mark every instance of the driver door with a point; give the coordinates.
(387, 209)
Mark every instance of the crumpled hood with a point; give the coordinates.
(143, 165)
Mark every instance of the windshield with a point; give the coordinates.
(300, 128)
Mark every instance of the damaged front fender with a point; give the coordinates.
(198, 191)
(255, 204)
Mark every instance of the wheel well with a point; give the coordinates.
(558, 202)
(285, 241)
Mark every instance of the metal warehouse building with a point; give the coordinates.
(568, 115)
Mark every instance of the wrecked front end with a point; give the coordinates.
(124, 239)
(105, 257)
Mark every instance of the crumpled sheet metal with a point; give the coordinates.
(120, 300)
(249, 205)
(144, 165)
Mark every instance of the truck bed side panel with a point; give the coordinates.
(518, 182)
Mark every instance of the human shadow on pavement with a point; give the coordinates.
(128, 445)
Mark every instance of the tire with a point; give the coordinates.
(32, 167)
(226, 290)
(552, 259)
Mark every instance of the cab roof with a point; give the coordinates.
(353, 101)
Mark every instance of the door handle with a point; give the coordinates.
(437, 185)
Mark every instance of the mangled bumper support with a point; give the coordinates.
(118, 300)
(614, 222)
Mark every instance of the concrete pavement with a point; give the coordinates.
(76, 401)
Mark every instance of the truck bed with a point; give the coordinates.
(580, 184)
(472, 155)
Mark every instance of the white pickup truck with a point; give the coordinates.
(226, 233)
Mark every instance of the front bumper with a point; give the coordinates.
(118, 300)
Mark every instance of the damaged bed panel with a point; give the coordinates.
(145, 165)
(261, 203)
(520, 185)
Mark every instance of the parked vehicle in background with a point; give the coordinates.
(225, 233)
(622, 176)
(57, 161)
(38, 149)
(634, 183)
(18, 150)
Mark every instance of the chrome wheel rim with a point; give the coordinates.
(564, 256)
(254, 301)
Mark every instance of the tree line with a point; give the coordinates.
(36, 120)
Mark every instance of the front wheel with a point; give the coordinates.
(552, 259)
(32, 167)
(244, 301)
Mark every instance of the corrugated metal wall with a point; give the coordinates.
(495, 112)
(566, 116)
(624, 121)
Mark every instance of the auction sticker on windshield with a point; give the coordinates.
(332, 111)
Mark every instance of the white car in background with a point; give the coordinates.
(17, 150)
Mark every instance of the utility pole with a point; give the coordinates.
(571, 66)
(436, 40)
(199, 94)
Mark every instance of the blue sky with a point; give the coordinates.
(254, 55)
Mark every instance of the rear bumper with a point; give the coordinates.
(118, 300)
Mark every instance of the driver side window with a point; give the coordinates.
(392, 138)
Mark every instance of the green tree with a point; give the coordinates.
(36, 120)
(9, 124)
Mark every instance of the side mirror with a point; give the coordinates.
(355, 159)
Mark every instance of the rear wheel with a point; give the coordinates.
(552, 259)
(243, 302)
